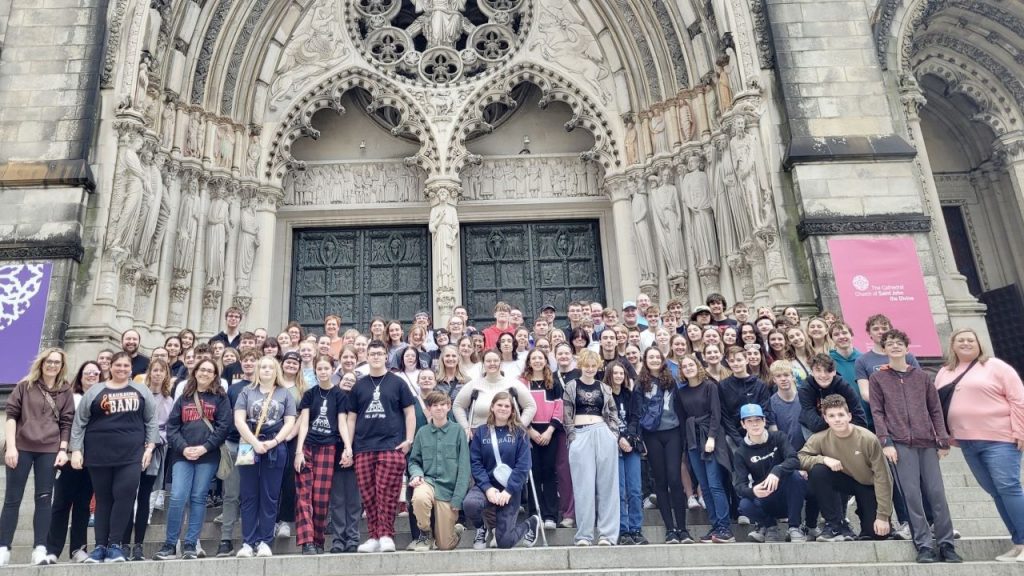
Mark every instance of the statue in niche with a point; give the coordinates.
(248, 242)
(642, 243)
(668, 221)
(752, 175)
(730, 215)
(158, 213)
(659, 131)
(188, 226)
(194, 137)
(534, 176)
(225, 144)
(167, 125)
(723, 84)
(702, 238)
(442, 22)
(128, 206)
(252, 156)
(444, 226)
(687, 124)
(218, 223)
(632, 143)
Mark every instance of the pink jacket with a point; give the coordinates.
(988, 403)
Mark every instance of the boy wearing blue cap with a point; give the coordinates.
(767, 479)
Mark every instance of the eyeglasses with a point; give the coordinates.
(53, 362)
(206, 371)
(90, 373)
(375, 354)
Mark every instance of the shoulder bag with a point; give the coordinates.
(946, 393)
(502, 472)
(226, 465)
(246, 452)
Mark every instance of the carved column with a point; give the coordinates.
(954, 286)
(618, 191)
(446, 258)
(1010, 153)
(988, 182)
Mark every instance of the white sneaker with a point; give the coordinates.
(387, 544)
(39, 556)
(283, 530)
(51, 559)
(700, 500)
(79, 556)
(200, 553)
(5, 555)
(371, 545)
(692, 503)
(902, 532)
(743, 521)
(263, 551)
(1011, 555)
(244, 552)
(550, 525)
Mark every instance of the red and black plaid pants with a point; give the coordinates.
(379, 476)
(313, 491)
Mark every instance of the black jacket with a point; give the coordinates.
(630, 405)
(734, 392)
(811, 395)
(751, 464)
(186, 428)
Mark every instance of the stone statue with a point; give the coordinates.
(128, 205)
(158, 211)
(141, 85)
(687, 123)
(167, 125)
(642, 243)
(668, 221)
(730, 215)
(222, 154)
(444, 226)
(442, 22)
(659, 132)
(751, 174)
(194, 137)
(632, 144)
(252, 157)
(696, 197)
(218, 222)
(188, 227)
(723, 85)
(248, 242)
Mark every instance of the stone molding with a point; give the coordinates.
(884, 224)
(807, 150)
(44, 174)
(42, 251)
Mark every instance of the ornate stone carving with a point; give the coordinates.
(318, 44)
(841, 225)
(762, 34)
(248, 243)
(632, 141)
(668, 222)
(146, 283)
(237, 53)
(211, 301)
(132, 193)
(224, 150)
(531, 177)
(188, 226)
(206, 52)
(195, 135)
(646, 56)
(563, 39)
(731, 219)
(243, 302)
(252, 155)
(444, 227)
(167, 125)
(983, 59)
(642, 242)
(702, 238)
(218, 223)
(675, 48)
(113, 42)
(752, 174)
(352, 183)
(158, 211)
(723, 84)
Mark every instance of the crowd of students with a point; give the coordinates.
(511, 432)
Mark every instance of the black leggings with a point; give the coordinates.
(17, 478)
(286, 504)
(545, 473)
(141, 521)
(71, 496)
(116, 487)
(665, 455)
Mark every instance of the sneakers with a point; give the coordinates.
(831, 534)
(723, 537)
(371, 545)
(79, 556)
(225, 549)
(283, 530)
(97, 556)
(604, 542)
(684, 537)
(219, 518)
(948, 554)
(902, 532)
(582, 543)
(159, 499)
(743, 521)
(114, 553)
(244, 552)
(533, 524)
(639, 539)
(51, 559)
(706, 539)
(423, 543)
(671, 537)
(479, 540)
(926, 556)
(550, 525)
(692, 503)
(39, 556)
(651, 502)
(567, 523)
(263, 551)
(166, 552)
(1011, 555)
(773, 534)
(137, 555)
(309, 549)
(188, 552)
(757, 535)
(700, 499)
(796, 535)
(626, 539)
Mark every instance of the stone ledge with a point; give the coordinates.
(806, 149)
(41, 251)
(884, 224)
(65, 173)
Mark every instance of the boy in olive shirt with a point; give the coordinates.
(439, 484)
(847, 459)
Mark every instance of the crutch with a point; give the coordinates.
(533, 485)
(899, 488)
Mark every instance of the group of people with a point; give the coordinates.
(511, 431)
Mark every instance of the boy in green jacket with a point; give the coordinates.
(439, 482)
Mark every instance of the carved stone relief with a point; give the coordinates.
(564, 40)
(353, 183)
(531, 177)
(318, 44)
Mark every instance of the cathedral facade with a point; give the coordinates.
(295, 158)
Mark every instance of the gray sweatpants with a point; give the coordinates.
(346, 508)
(229, 514)
(594, 464)
(919, 473)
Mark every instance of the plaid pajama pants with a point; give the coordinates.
(379, 476)
(313, 487)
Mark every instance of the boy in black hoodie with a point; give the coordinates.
(767, 479)
(739, 389)
(823, 382)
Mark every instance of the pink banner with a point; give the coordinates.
(883, 276)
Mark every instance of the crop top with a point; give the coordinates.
(589, 399)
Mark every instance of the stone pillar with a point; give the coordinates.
(446, 261)
(618, 191)
(988, 181)
(1010, 152)
(266, 201)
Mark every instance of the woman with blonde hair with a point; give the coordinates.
(799, 351)
(818, 338)
(40, 411)
(983, 398)
(449, 376)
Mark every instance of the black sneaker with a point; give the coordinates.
(225, 549)
(319, 549)
(831, 534)
(309, 549)
(480, 540)
(639, 539)
(351, 549)
(926, 556)
(137, 554)
(707, 538)
(336, 549)
(684, 537)
(948, 554)
(626, 539)
(166, 552)
(723, 537)
(671, 538)
(533, 524)
(188, 552)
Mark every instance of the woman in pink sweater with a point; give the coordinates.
(986, 419)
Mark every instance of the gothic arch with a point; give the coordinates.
(995, 106)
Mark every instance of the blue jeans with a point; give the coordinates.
(996, 466)
(631, 508)
(709, 476)
(787, 500)
(190, 482)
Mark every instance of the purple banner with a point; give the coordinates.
(23, 290)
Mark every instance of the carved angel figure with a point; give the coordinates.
(442, 22)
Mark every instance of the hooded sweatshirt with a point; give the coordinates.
(514, 449)
(40, 429)
(734, 392)
(811, 394)
(906, 409)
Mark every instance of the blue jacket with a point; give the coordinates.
(514, 450)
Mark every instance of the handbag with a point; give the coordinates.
(651, 418)
(246, 452)
(226, 464)
(946, 393)
(502, 472)
(49, 402)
